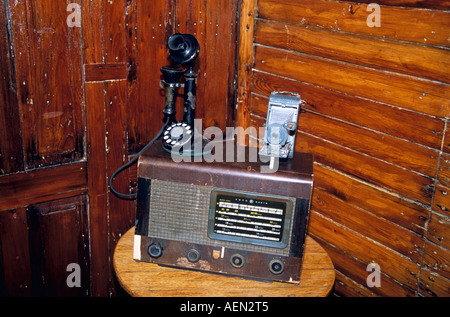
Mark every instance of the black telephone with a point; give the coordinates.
(179, 137)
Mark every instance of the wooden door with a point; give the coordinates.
(80, 94)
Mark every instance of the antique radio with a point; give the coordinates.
(223, 217)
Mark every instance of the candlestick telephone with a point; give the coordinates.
(179, 137)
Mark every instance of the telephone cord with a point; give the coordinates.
(130, 163)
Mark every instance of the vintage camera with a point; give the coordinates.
(281, 124)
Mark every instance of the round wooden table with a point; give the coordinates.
(151, 280)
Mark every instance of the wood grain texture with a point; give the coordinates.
(132, 64)
(443, 175)
(446, 141)
(102, 72)
(43, 211)
(215, 27)
(14, 250)
(348, 158)
(92, 31)
(399, 152)
(145, 279)
(38, 242)
(416, 94)
(408, 24)
(351, 278)
(110, 90)
(48, 71)
(392, 263)
(406, 58)
(372, 95)
(433, 285)
(114, 32)
(430, 4)
(245, 66)
(438, 230)
(116, 155)
(436, 259)
(382, 230)
(58, 230)
(97, 183)
(441, 201)
(11, 154)
(401, 123)
(154, 26)
(23, 189)
(382, 203)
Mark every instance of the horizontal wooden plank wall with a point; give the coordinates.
(376, 120)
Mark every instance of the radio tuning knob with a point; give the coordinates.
(237, 261)
(276, 266)
(193, 255)
(155, 250)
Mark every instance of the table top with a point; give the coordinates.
(142, 279)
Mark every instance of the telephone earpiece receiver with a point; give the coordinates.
(180, 137)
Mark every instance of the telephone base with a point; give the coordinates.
(196, 147)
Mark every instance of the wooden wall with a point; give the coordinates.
(43, 183)
(376, 120)
(76, 102)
